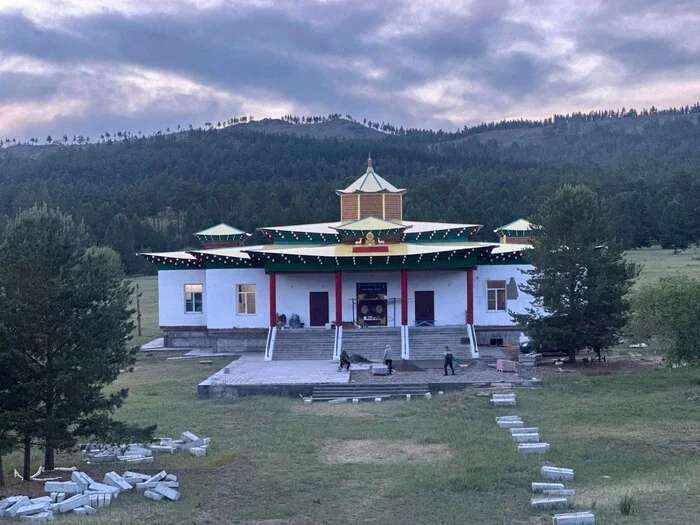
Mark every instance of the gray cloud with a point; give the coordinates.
(396, 61)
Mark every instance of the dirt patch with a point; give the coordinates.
(365, 451)
(324, 409)
(595, 368)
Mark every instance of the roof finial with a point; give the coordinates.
(369, 161)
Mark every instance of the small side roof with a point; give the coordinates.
(221, 230)
(371, 182)
(521, 225)
(371, 223)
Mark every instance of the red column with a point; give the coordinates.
(404, 297)
(470, 295)
(273, 298)
(338, 298)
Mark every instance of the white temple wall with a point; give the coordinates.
(498, 272)
(171, 298)
(449, 294)
(293, 294)
(221, 299)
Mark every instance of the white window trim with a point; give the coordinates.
(505, 297)
(255, 294)
(184, 296)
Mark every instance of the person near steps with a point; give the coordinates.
(448, 360)
(388, 357)
(344, 360)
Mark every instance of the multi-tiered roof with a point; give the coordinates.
(371, 235)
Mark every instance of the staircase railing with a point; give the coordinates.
(270, 343)
(405, 346)
(473, 346)
(338, 343)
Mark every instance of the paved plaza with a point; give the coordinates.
(252, 369)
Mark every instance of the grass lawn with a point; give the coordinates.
(275, 460)
(150, 329)
(662, 263)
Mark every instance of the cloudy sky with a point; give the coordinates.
(89, 66)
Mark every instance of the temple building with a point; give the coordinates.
(368, 280)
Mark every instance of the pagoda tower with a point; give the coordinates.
(371, 196)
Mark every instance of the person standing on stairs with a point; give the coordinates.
(448, 360)
(388, 357)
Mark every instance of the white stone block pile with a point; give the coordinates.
(82, 495)
(138, 453)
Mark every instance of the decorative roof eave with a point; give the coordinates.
(274, 234)
(183, 259)
(228, 256)
(371, 223)
(504, 254)
(443, 234)
(362, 259)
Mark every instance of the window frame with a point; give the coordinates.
(194, 300)
(497, 290)
(245, 302)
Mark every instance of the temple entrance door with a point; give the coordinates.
(318, 308)
(425, 308)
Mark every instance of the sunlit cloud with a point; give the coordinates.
(85, 65)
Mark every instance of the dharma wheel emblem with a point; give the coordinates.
(369, 238)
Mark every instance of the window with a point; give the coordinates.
(496, 291)
(193, 298)
(246, 298)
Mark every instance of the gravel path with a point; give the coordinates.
(473, 371)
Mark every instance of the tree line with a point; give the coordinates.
(152, 194)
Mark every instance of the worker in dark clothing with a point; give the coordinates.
(344, 360)
(448, 360)
(388, 358)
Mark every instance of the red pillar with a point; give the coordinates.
(273, 298)
(338, 298)
(404, 297)
(470, 295)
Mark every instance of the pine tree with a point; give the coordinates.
(580, 280)
(64, 329)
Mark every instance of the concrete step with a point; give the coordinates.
(370, 342)
(304, 343)
(328, 392)
(428, 342)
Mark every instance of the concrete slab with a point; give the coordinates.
(153, 495)
(252, 369)
(169, 493)
(533, 448)
(574, 518)
(41, 517)
(557, 473)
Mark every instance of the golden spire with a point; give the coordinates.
(369, 161)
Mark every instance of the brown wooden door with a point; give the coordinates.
(425, 308)
(318, 308)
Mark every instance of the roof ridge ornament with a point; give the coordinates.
(370, 164)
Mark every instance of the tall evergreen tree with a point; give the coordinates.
(580, 279)
(64, 328)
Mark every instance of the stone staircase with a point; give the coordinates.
(370, 342)
(304, 343)
(367, 391)
(428, 342)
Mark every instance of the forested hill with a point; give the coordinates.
(140, 194)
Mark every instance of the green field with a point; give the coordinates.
(662, 263)
(148, 289)
(276, 460)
